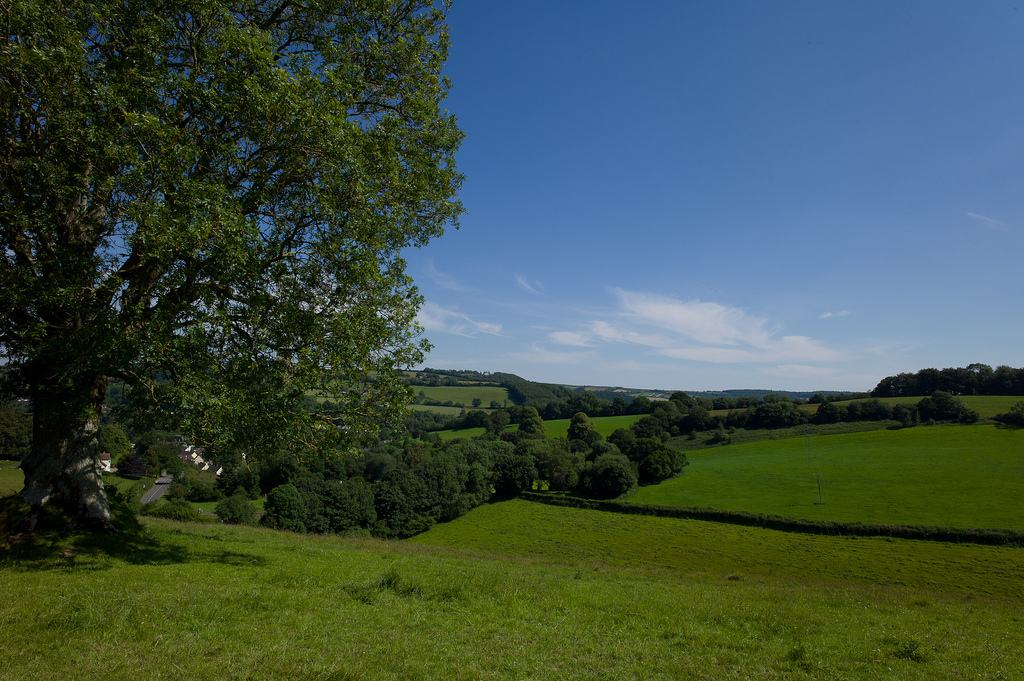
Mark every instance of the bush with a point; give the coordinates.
(609, 477)
(237, 509)
(285, 509)
(178, 509)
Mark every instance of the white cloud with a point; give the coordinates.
(570, 338)
(445, 281)
(539, 355)
(705, 332)
(826, 315)
(433, 317)
(800, 371)
(535, 287)
(989, 222)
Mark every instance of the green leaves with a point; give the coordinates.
(218, 194)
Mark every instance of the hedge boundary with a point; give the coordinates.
(957, 535)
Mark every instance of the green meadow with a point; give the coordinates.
(585, 537)
(962, 476)
(464, 394)
(605, 425)
(450, 411)
(513, 590)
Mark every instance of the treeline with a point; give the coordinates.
(398, 491)
(974, 379)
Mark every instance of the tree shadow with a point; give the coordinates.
(59, 543)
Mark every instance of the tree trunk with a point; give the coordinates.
(64, 465)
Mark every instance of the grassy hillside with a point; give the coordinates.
(180, 601)
(604, 425)
(987, 406)
(964, 476)
(583, 537)
(463, 394)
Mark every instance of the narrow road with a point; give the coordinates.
(158, 489)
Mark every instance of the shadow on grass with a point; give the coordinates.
(58, 542)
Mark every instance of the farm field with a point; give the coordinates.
(584, 537)
(450, 411)
(962, 476)
(987, 406)
(463, 394)
(605, 425)
(521, 601)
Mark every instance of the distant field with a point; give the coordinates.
(463, 394)
(987, 406)
(570, 535)
(962, 476)
(605, 425)
(468, 433)
(451, 411)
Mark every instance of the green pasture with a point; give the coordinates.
(463, 394)
(567, 594)
(585, 537)
(987, 406)
(605, 425)
(961, 476)
(468, 433)
(451, 411)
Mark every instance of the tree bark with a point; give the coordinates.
(64, 464)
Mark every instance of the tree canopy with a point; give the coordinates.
(208, 201)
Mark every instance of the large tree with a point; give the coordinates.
(208, 200)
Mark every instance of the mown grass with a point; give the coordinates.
(180, 601)
(961, 476)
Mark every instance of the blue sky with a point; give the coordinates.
(716, 195)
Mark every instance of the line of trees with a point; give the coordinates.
(974, 379)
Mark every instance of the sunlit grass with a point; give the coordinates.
(961, 476)
(208, 602)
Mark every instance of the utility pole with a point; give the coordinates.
(819, 502)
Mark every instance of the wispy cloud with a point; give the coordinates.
(800, 371)
(445, 281)
(534, 287)
(990, 222)
(571, 338)
(826, 315)
(433, 317)
(705, 332)
(540, 355)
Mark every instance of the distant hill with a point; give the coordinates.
(522, 391)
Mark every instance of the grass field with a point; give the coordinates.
(11, 478)
(464, 394)
(987, 406)
(566, 594)
(605, 425)
(450, 411)
(966, 476)
(582, 537)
